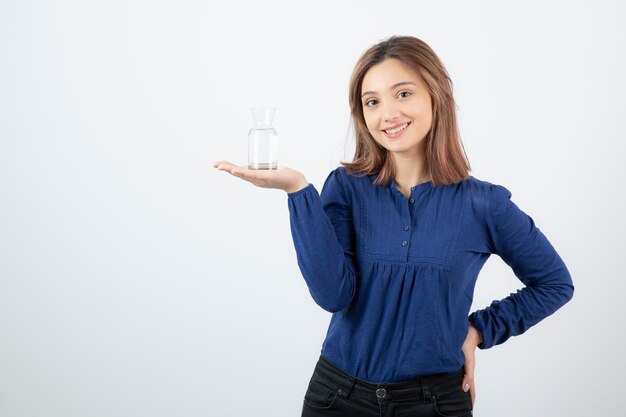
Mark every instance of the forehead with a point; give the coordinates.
(387, 73)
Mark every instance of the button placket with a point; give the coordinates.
(407, 226)
(406, 222)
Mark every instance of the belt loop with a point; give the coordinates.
(426, 390)
(347, 388)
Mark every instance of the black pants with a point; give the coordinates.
(333, 392)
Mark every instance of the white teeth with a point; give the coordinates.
(397, 129)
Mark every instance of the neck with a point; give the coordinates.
(410, 170)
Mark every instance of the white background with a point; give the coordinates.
(137, 280)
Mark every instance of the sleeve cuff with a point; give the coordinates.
(484, 344)
(302, 191)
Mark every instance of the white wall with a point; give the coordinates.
(136, 280)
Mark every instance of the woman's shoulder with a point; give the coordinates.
(491, 196)
(345, 177)
(346, 173)
(485, 186)
(476, 182)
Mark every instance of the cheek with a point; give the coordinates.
(429, 121)
(425, 119)
(428, 114)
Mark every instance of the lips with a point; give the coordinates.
(403, 127)
(396, 126)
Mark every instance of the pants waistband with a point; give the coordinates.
(424, 387)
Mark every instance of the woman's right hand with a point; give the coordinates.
(283, 178)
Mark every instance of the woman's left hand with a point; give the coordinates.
(473, 339)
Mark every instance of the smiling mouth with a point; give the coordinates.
(398, 130)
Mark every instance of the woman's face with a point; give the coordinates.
(393, 95)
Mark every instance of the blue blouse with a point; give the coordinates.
(398, 274)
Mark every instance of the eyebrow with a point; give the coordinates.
(391, 88)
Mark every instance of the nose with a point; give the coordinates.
(391, 113)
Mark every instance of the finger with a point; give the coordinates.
(467, 385)
(224, 166)
(468, 378)
(468, 369)
(256, 177)
(238, 171)
(468, 382)
(244, 172)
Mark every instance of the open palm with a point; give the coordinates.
(283, 178)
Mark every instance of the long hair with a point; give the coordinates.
(446, 160)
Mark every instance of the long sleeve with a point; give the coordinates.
(513, 236)
(323, 235)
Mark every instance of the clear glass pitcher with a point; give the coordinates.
(263, 140)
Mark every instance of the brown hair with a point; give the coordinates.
(446, 160)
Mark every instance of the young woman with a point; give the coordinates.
(393, 245)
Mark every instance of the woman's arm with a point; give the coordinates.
(321, 227)
(512, 235)
(323, 235)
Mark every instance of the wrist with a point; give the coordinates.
(299, 186)
(476, 334)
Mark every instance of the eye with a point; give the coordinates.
(367, 103)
